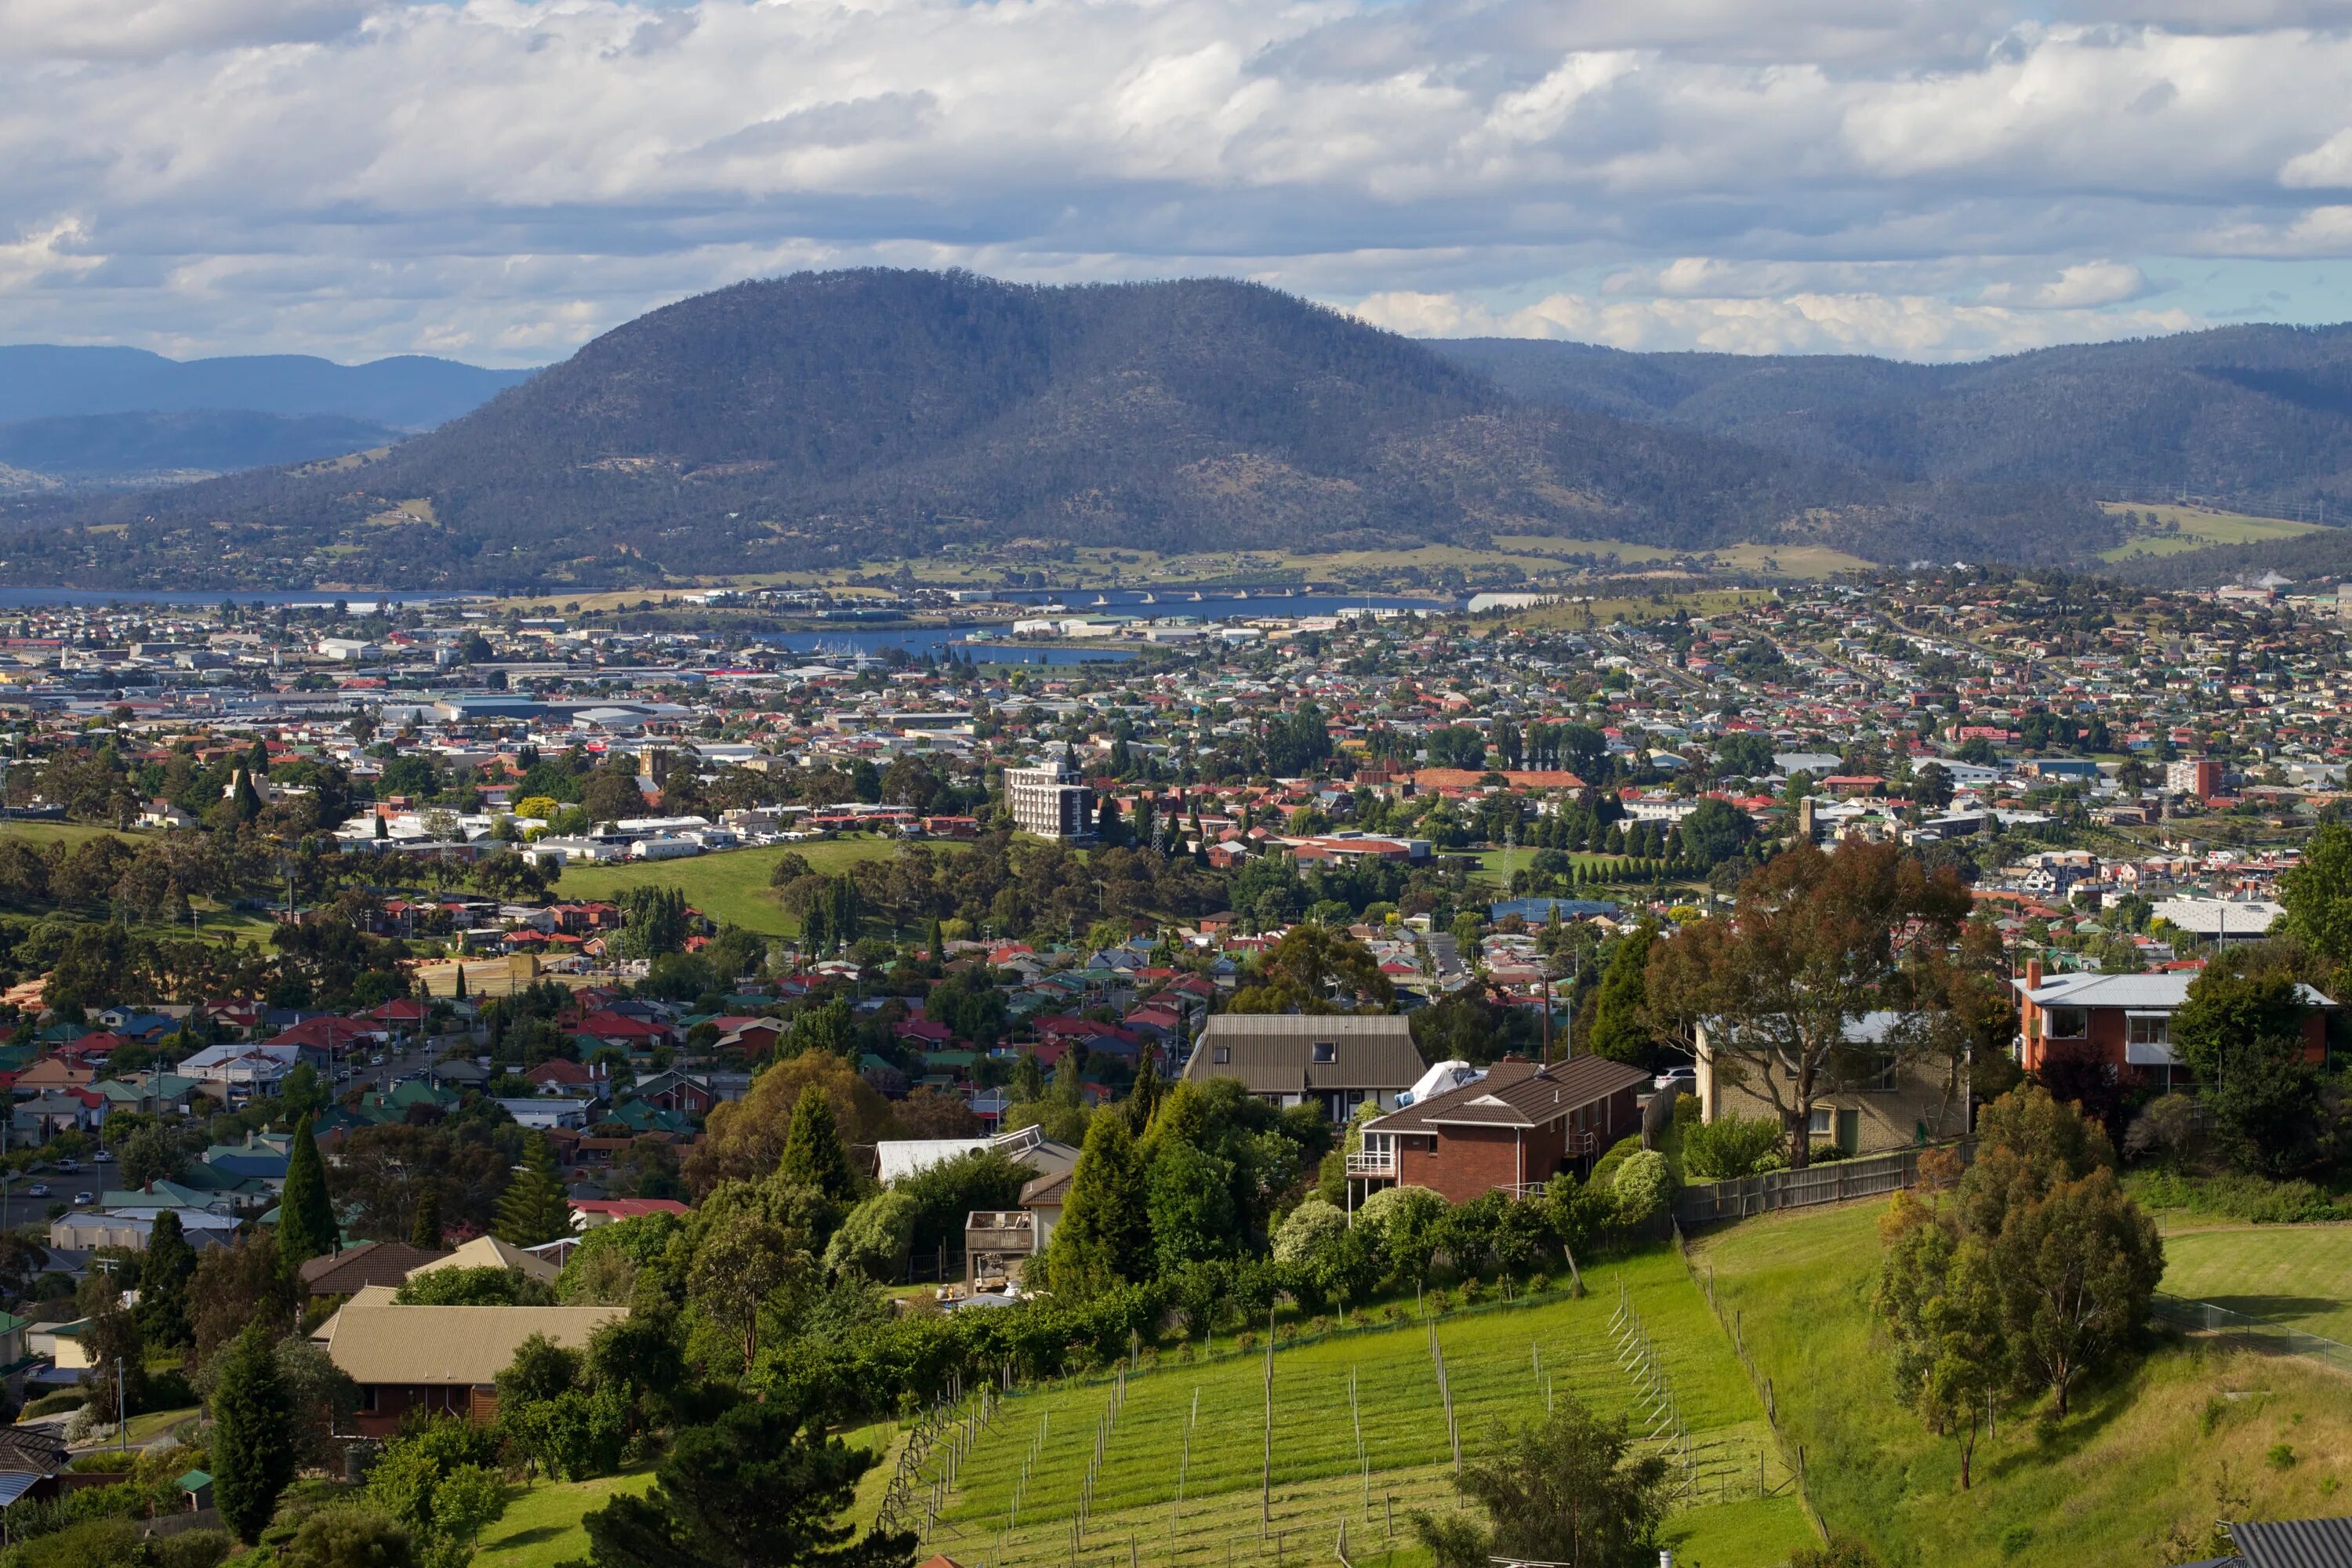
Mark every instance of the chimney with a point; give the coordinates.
(2034, 974)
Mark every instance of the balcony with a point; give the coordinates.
(1372, 1162)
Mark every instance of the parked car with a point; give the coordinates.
(102, 1158)
(83, 1200)
(1677, 1080)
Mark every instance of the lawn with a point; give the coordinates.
(730, 886)
(2175, 1439)
(68, 834)
(541, 1527)
(2299, 1274)
(2198, 529)
(1499, 1365)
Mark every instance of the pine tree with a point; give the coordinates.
(1146, 1099)
(253, 1435)
(936, 941)
(426, 1230)
(164, 1283)
(306, 1216)
(812, 1154)
(532, 1212)
(459, 991)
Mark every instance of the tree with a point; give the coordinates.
(653, 920)
(1620, 1029)
(1105, 1237)
(1937, 1296)
(1714, 830)
(1316, 969)
(306, 1216)
(1569, 1489)
(876, 1236)
(762, 1487)
(2240, 1029)
(743, 1140)
(426, 1231)
(812, 1155)
(252, 1437)
(163, 1276)
(2316, 894)
(236, 1286)
(118, 1357)
(1815, 943)
(2076, 1270)
(533, 1211)
(743, 1263)
(350, 1538)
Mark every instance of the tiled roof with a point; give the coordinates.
(1517, 1094)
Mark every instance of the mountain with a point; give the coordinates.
(833, 418)
(2261, 414)
(144, 448)
(408, 392)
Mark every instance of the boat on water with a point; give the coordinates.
(1196, 596)
(1149, 598)
(1054, 607)
(1099, 602)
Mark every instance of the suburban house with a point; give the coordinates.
(441, 1359)
(354, 1268)
(2123, 1021)
(489, 1252)
(1514, 1129)
(1338, 1061)
(895, 1159)
(1872, 1100)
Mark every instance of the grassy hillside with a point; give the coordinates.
(2188, 528)
(541, 1527)
(1500, 1365)
(730, 886)
(2174, 1440)
(2299, 1274)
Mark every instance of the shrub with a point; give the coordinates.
(1604, 1169)
(1643, 1186)
(1729, 1146)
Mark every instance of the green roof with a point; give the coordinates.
(194, 1480)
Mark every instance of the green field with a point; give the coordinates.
(1500, 1363)
(2198, 529)
(2174, 1440)
(2299, 1274)
(730, 886)
(66, 832)
(541, 1527)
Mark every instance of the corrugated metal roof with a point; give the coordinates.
(2295, 1543)
(14, 1484)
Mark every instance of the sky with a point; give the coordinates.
(498, 181)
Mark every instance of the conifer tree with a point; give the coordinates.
(306, 1216)
(1105, 1237)
(164, 1282)
(532, 1211)
(425, 1232)
(812, 1155)
(253, 1435)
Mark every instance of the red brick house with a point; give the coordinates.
(2123, 1021)
(441, 1359)
(1513, 1129)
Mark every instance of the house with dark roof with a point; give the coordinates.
(355, 1267)
(1337, 1061)
(1512, 1130)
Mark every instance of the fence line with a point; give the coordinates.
(1831, 1181)
(1792, 1454)
(2254, 1333)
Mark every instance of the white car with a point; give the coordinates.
(83, 1200)
(38, 1190)
(1677, 1080)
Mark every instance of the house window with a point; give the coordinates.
(2150, 1031)
(2065, 1024)
(1326, 1052)
(1222, 1056)
(1819, 1122)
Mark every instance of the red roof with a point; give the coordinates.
(628, 1208)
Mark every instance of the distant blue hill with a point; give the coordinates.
(408, 392)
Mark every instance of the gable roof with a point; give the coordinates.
(354, 1268)
(1272, 1053)
(373, 1339)
(1516, 1094)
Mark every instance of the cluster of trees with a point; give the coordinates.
(2029, 1273)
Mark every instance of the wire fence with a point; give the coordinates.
(2254, 1333)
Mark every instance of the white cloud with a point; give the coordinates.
(507, 177)
(1915, 326)
(45, 253)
